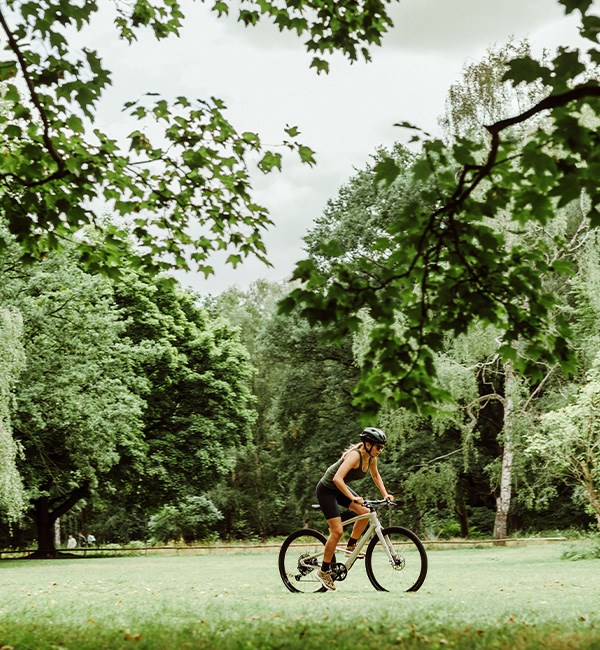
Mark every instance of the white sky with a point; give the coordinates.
(265, 80)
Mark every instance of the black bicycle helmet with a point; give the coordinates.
(376, 436)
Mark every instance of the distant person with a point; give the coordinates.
(91, 540)
(71, 542)
(82, 539)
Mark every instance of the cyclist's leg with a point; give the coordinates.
(335, 534)
(359, 526)
(328, 500)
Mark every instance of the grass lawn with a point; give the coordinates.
(517, 597)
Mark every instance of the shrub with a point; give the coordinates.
(582, 552)
(192, 519)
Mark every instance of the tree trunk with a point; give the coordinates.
(461, 513)
(591, 494)
(45, 516)
(44, 523)
(504, 497)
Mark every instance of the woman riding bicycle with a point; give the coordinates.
(332, 491)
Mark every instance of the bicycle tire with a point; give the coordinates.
(410, 567)
(298, 577)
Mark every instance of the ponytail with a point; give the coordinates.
(355, 447)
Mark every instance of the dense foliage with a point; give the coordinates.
(11, 353)
(127, 391)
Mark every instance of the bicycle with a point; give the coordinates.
(395, 558)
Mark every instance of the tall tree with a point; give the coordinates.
(302, 392)
(199, 410)
(254, 499)
(76, 399)
(569, 441)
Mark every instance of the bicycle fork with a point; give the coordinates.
(387, 545)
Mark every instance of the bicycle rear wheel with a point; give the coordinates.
(300, 556)
(408, 568)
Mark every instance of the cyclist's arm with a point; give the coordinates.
(348, 463)
(376, 476)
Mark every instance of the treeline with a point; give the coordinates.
(139, 412)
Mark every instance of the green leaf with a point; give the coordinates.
(463, 153)
(422, 169)
(269, 162)
(590, 27)
(320, 65)
(234, 260)
(527, 69)
(307, 155)
(386, 171)
(594, 216)
(85, 96)
(572, 5)
(251, 138)
(221, 8)
(292, 131)
(8, 69)
(13, 131)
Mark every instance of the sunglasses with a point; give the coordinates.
(379, 447)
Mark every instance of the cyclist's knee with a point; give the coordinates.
(336, 529)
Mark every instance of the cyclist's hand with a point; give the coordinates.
(390, 497)
(359, 500)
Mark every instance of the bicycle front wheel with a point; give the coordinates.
(400, 567)
(300, 557)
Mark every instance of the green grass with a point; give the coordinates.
(517, 597)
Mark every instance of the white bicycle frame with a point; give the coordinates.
(374, 528)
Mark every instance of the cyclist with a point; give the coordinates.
(332, 491)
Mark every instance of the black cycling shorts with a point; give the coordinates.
(330, 499)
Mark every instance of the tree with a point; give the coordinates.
(569, 440)
(193, 519)
(76, 400)
(198, 413)
(253, 498)
(12, 498)
(304, 417)
(442, 265)
(187, 190)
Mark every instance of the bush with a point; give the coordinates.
(583, 552)
(194, 518)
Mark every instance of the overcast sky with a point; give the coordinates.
(265, 80)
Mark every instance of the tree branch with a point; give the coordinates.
(552, 101)
(74, 496)
(14, 46)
